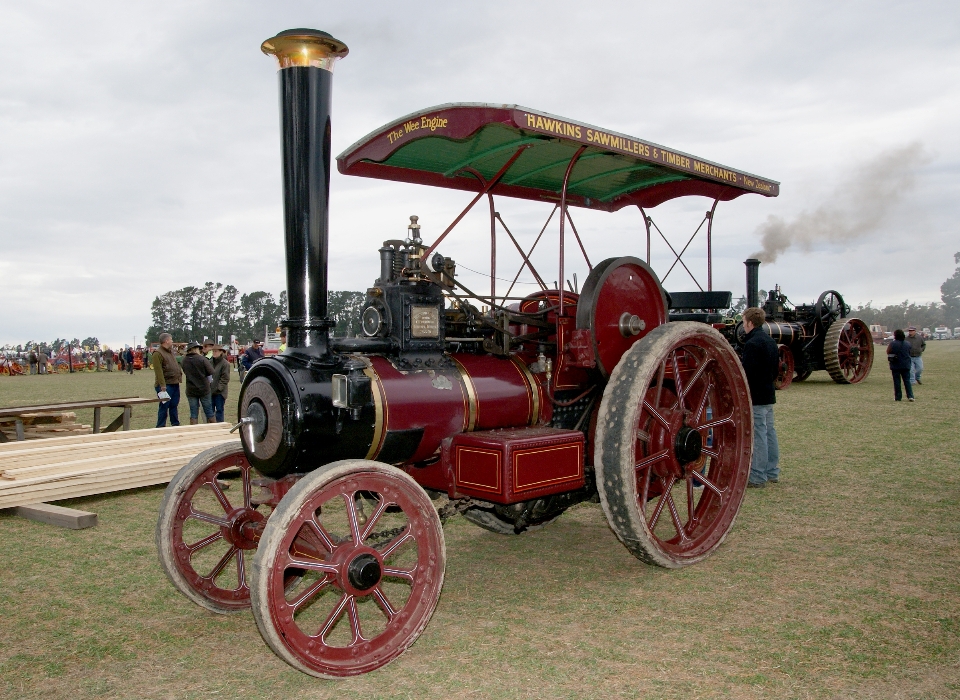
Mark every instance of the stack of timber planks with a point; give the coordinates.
(44, 425)
(83, 465)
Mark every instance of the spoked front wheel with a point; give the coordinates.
(673, 444)
(209, 527)
(371, 545)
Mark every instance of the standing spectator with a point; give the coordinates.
(199, 373)
(917, 346)
(34, 360)
(42, 360)
(252, 354)
(207, 350)
(220, 381)
(283, 341)
(761, 363)
(128, 360)
(108, 355)
(146, 356)
(898, 355)
(168, 374)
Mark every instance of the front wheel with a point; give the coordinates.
(674, 443)
(206, 533)
(371, 547)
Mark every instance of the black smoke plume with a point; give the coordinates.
(857, 208)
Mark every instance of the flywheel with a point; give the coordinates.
(621, 302)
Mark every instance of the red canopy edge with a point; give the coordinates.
(460, 120)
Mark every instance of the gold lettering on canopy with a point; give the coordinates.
(426, 123)
(655, 154)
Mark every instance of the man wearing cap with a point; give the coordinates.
(917, 346)
(167, 375)
(252, 354)
(207, 349)
(220, 380)
(198, 372)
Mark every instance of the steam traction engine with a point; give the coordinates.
(818, 336)
(323, 521)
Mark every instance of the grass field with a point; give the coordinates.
(841, 581)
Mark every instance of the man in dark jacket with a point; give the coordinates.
(252, 354)
(761, 363)
(220, 381)
(198, 372)
(898, 354)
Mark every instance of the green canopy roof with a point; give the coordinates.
(463, 146)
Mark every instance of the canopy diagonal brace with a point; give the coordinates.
(486, 188)
(526, 260)
(673, 250)
(533, 247)
(579, 242)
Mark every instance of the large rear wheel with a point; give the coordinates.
(848, 351)
(673, 444)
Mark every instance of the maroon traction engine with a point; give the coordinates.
(323, 522)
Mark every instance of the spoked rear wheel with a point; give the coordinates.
(848, 351)
(370, 543)
(673, 444)
(785, 374)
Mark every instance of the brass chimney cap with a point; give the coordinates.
(305, 47)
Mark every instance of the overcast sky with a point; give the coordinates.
(139, 142)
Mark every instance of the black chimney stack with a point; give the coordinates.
(753, 281)
(306, 58)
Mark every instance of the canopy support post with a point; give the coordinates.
(493, 252)
(710, 245)
(563, 218)
(646, 225)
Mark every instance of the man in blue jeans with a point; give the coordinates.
(167, 374)
(761, 363)
(917, 346)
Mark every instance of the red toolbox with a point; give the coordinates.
(512, 465)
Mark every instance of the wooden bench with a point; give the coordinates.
(123, 420)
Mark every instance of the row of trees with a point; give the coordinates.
(90, 343)
(215, 309)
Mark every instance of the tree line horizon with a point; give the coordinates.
(215, 309)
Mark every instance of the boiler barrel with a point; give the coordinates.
(785, 333)
(415, 411)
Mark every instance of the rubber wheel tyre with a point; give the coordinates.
(369, 589)
(675, 413)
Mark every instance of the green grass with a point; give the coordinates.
(842, 581)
